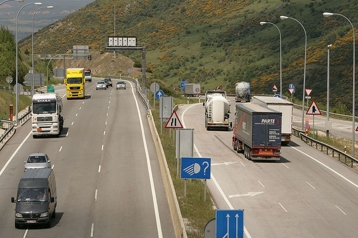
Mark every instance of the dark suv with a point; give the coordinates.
(108, 81)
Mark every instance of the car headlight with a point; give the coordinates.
(18, 214)
(45, 214)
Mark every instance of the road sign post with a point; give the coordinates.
(230, 223)
(195, 168)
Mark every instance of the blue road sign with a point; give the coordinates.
(195, 168)
(182, 84)
(230, 223)
(159, 94)
(292, 86)
(277, 95)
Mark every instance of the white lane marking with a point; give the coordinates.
(261, 183)
(311, 185)
(105, 123)
(72, 123)
(99, 168)
(80, 108)
(53, 166)
(225, 163)
(285, 165)
(340, 210)
(95, 195)
(154, 196)
(92, 229)
(283, 207)
(104, 133)
(107, 114)
(242, 164)
(13, 155)
(326, 166)
(212, 177)
(67, 134)
(249, 194)
(76, 114)
(25, 233)
(60, 149)
(102, 147)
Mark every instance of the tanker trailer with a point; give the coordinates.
(217, 110)
(242, 92)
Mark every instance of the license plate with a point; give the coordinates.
(31, 221)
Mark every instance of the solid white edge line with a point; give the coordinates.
(154, 196)
(213, 177)
(340, 209)
(283, 207)
(13, 155)
(327, 167)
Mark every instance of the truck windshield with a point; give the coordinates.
(74, 80)
(87, 73)
(43, 107)
(32, 195)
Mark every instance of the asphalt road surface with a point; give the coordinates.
(305, 194)
(107, 172)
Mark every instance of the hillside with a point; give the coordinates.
(220, 42)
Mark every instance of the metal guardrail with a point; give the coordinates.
(327, 149)
(10, 130)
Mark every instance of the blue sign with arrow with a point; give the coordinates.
(195, 168)
(159, 94)
(230, 223)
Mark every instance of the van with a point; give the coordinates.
(36, 199)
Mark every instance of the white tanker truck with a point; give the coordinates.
(217, 109)
(242, 92)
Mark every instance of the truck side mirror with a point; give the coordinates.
(12, 199)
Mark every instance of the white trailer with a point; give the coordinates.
(46, 114)
(217, 109)
(283, 106)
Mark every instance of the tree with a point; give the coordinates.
(8, 57)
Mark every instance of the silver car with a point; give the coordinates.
(101, 85)
(121, 85)
(37, 161)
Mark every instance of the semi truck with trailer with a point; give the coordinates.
(257, 132)
(191, 90)
(217, 109)
(88, 75)
(46, 114)
(75, 83)
(283, 106)
(242, 92)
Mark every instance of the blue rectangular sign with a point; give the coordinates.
(230, 223)
(195, 168)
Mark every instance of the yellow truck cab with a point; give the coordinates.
(75, 83)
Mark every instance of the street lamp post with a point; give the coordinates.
(17, 63)
(32, 51)
(263, 23)
(328, 124)
(328, 14)
(304, 70)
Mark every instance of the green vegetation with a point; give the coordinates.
(221, 42)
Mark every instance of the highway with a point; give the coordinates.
(305, 194)
(107, 172)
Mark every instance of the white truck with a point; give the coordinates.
(242, 92)
(217, 109)
(283, 106)
(46, 114)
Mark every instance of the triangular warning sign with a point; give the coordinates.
(292, 90)
(313, 109)
(174, 121)
(308, 91)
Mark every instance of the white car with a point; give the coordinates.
(37, 161)
(121, 85)
(101, 85)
